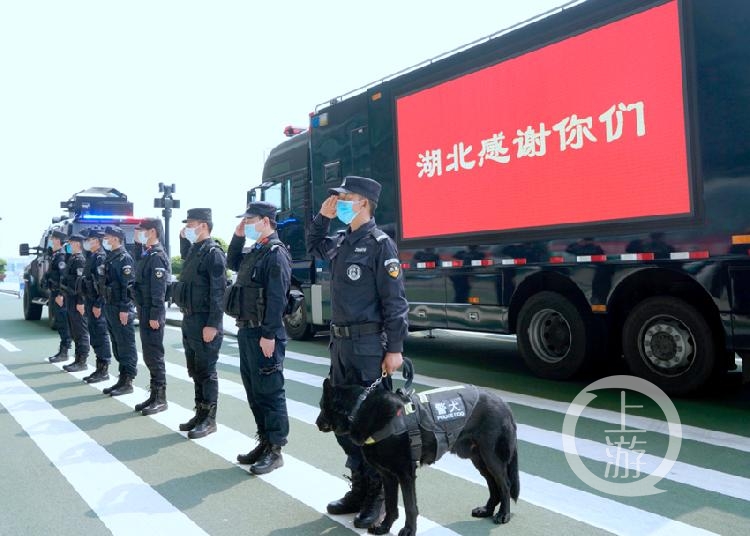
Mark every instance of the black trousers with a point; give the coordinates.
(152, 342)
(263, 378)
(123, 340)
(79, 328)
(98, 334)
(357, 362)
(201, 357)
(61, 323)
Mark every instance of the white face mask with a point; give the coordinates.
(106, 245)
(142, 238)
(191, 234)
(87, 246)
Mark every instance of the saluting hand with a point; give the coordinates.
(328, 208)
(240, 229)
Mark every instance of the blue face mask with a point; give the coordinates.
(191, 235)
(68, 249)
(251, 233)
(345, 210)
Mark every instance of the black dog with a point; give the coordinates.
(396, 434)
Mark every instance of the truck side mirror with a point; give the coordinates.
(23, 250)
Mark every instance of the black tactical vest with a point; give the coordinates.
(192, 291)
(245, 299)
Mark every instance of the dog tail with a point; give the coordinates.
(515, 482)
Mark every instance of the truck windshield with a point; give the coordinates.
(272, 194)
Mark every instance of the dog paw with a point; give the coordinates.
(481, 511)
(379, 529)
(407, 531)
(501, 518)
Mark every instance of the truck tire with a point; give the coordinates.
(666, 341)
(296, 324)
(31, 310)
(553, 338)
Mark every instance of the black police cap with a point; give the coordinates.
(261, 209)
(92, 233)
(76, 237)
(363, 186)
(202, 214)
(59, 235)
(113, 230)
(151, 223)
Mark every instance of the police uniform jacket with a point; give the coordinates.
(151, 281)
(56, 272)
(366, 281)
(93, 272)
(203, 280)
(73, 276)
(267, 265)
(118, 278)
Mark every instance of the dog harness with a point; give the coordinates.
(442, 413)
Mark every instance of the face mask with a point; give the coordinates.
(68, 249)
(87, 246)
(251, 233)
(191, 235)
(345, 211)
(106, 245)
(142, 238)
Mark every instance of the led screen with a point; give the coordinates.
(588, 129)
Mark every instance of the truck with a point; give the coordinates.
(580, 181)
(92, 208)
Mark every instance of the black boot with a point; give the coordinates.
(271, 460)
(351, 502)
(117, 384)
(125, 388)
(372, 506)
(194, 420)
(159, 403)
(78, 365)
(61, 355)
(151, 396)
(206, 424)
(255, 454)
(100, 374)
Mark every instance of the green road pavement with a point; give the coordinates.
(77, 462)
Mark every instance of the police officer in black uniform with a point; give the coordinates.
(73, 299)
(119, 310)
(258, 300)
(93, 281)
(152, 275)
(54, 280)
(368, 318)
(200, 295)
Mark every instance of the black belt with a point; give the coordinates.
(355, 330)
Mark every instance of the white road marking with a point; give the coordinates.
(8, 346)
(124, 503)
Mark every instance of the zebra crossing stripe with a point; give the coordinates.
(77, 456)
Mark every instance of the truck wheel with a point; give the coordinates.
(552, 337)
(666, 341)
(31, 310)
(296, 324)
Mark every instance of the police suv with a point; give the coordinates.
(93, 208)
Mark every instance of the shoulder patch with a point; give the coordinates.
(159, 272)
(79, 272)
(394, 268)
(61, 265)
(127, 269)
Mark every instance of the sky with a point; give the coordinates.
(195, 93)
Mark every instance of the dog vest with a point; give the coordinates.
(442, 413)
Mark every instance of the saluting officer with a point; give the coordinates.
(368, 318)
(151, 280)
(73, 297)
(119, 310)
(93, 281)
(257, 300)
(54, 280)
(200, 294)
